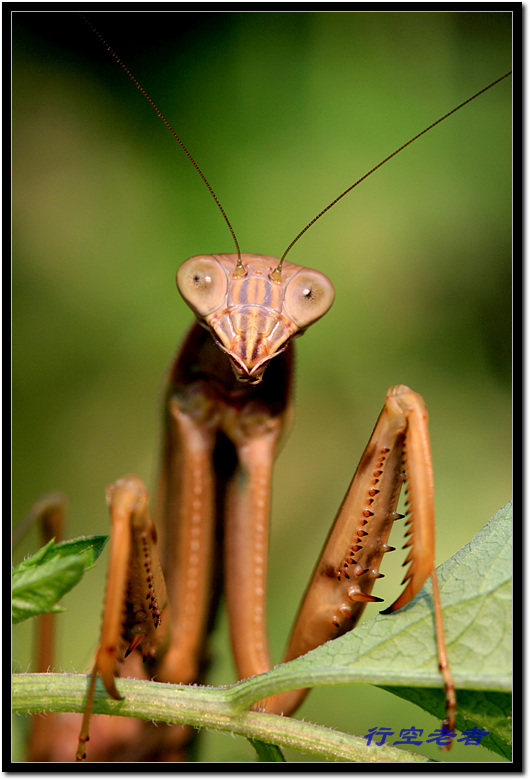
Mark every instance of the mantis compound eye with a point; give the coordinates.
(308, 296)
(203, 284)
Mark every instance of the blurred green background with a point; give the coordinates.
(282, 111)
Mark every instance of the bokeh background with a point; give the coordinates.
(282, 111)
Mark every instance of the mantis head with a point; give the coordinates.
(252, 310)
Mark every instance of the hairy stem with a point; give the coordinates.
(198, 706)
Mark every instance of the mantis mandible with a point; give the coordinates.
(285, 266)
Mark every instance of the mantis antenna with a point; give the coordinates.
(277, 271)
(239, 267)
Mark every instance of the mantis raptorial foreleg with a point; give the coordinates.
(136, 600)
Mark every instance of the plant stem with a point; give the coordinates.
(200, 707)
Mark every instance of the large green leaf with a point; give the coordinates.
(478, 616)
(41, 580)
(399, 652)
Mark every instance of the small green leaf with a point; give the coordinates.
(88, 547)
(266, 751)
(41, 580)
(38, 588)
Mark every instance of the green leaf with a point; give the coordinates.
(477, 611)
(41, 580)
(88, 547)
(400, 649)
(484, 709)
(36, 590)
(266, 751)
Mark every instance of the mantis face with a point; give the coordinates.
(250, 313)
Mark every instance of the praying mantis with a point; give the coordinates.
(372, 370)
